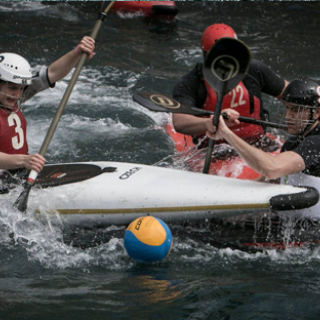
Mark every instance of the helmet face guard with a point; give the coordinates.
(301, 98)
(297, 118)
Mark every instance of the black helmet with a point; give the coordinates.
(303, 92)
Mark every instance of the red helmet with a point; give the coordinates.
(214, 33)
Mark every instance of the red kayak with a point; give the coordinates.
(152, 9)
(164, 10)
(225, 160)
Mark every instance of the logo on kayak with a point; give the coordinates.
(1, 58)
(225, 67)
(164, 101)
(129, 173)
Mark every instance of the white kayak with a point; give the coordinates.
(98, 194)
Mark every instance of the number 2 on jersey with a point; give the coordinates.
(235, 96)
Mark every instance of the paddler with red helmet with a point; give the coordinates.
(246, 98)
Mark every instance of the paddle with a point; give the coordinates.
(226, 64)
(162, 103)
(21, 202)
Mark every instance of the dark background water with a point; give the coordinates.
(41, 277)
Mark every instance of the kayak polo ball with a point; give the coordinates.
(148, 239)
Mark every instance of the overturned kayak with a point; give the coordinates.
(163, 10)
(151, 9)
(113, 193)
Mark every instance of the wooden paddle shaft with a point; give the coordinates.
(68, 91)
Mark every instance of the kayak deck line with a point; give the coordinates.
(163, 209)
(98, 218)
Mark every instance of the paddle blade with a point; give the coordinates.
(226, 64)
(21, 202)
(161, 103)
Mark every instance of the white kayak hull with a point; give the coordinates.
(133, 190)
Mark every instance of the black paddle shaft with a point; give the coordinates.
(215, 120)
(226, 64)
(161, 103)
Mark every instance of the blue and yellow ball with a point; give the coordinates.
(148, 239)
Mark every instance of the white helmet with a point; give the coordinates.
(14, 68)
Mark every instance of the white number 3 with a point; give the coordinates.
(18, 140)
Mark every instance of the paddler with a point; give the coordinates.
(18, 83)
(246, 98)
(299, 160)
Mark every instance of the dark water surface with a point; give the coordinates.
(41, 277)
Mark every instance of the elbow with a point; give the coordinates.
(178, 125)
(51, 76)
(272, 167)
(178, 129)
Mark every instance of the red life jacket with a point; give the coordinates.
(239, 100)
(13, 132)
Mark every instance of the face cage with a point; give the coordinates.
(299, 118)
(19, 101)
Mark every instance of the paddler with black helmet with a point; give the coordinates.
(299, 160)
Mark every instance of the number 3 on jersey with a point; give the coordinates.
(18, 140)
(237, 97)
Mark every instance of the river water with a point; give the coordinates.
(42, 277)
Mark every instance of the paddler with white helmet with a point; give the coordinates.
(18, 83)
